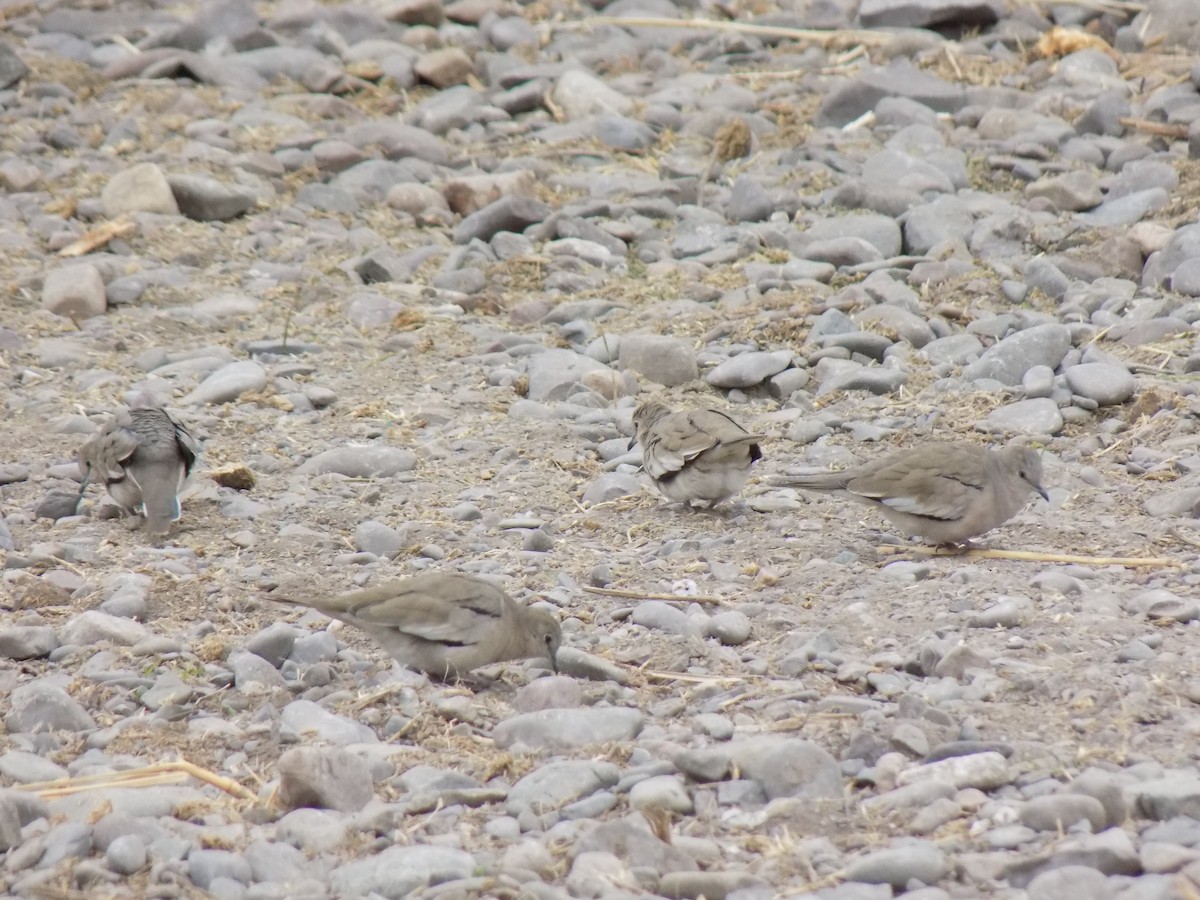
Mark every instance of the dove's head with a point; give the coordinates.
(644, 418)
(83, 459)
(545, 635)
(1026, 463)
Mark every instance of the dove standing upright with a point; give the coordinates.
(444, 624)
(144, 456)
(945, 493)
(699, 454)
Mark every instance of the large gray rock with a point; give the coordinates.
(228, 383)
(140, 188)
(325, 778)
(43, 706)
(748, 369)
(635, 846)
(660, 358)
(553, 785)
(556, 374)
(920, 860)
(564, 729)
(208, 200)
(927, 13)
(371, 461)
(1105, 383)
(397, 872)
(74, 291)
(789, 767)
(1009, 360)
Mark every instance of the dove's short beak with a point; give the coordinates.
(632, 443)
(1044, 493)
(554, 665)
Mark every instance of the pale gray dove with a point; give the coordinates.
(444, 624)
(144, 456)
(945, 493)
(699, 454)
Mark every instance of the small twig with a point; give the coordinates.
(228, 785)
(98, 237)
(123, 42)
(873, 38)
(949, 54)
(374, 697)
(648, 595)
(1035, 556)
(781, 73)
(1162, 129)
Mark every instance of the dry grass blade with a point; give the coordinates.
(659, 820)
(873, 38)
(375, 696)
(1113, 6)
(65, 787)
(693, 679)
(1035, 556)
(1184, 538)
(98, 237)
(145, 776)
(1184, 888)
(649, 595)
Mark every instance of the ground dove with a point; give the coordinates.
(945, 493)
(444, 624)
(144, 457)
(700, 454)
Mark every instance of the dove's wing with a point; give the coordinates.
(681, 437)
(937, 481)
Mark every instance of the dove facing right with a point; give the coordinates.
(945, 493)
(444, 624)
(144, 457)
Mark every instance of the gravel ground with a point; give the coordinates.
(406, 269)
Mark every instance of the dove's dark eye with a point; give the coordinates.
(549, 639)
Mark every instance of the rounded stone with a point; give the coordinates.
(661, 792)
(1104, 383)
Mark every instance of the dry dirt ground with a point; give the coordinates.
(805, 567)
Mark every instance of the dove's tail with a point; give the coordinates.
(824, 481)
(159, 483)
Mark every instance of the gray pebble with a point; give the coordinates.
(1058, 812)
(126, 854)
(731, 627)
(379, 539)
(660, 616)
(1069, 882)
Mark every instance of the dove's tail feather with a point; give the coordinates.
(159, 483)
(824, 481)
